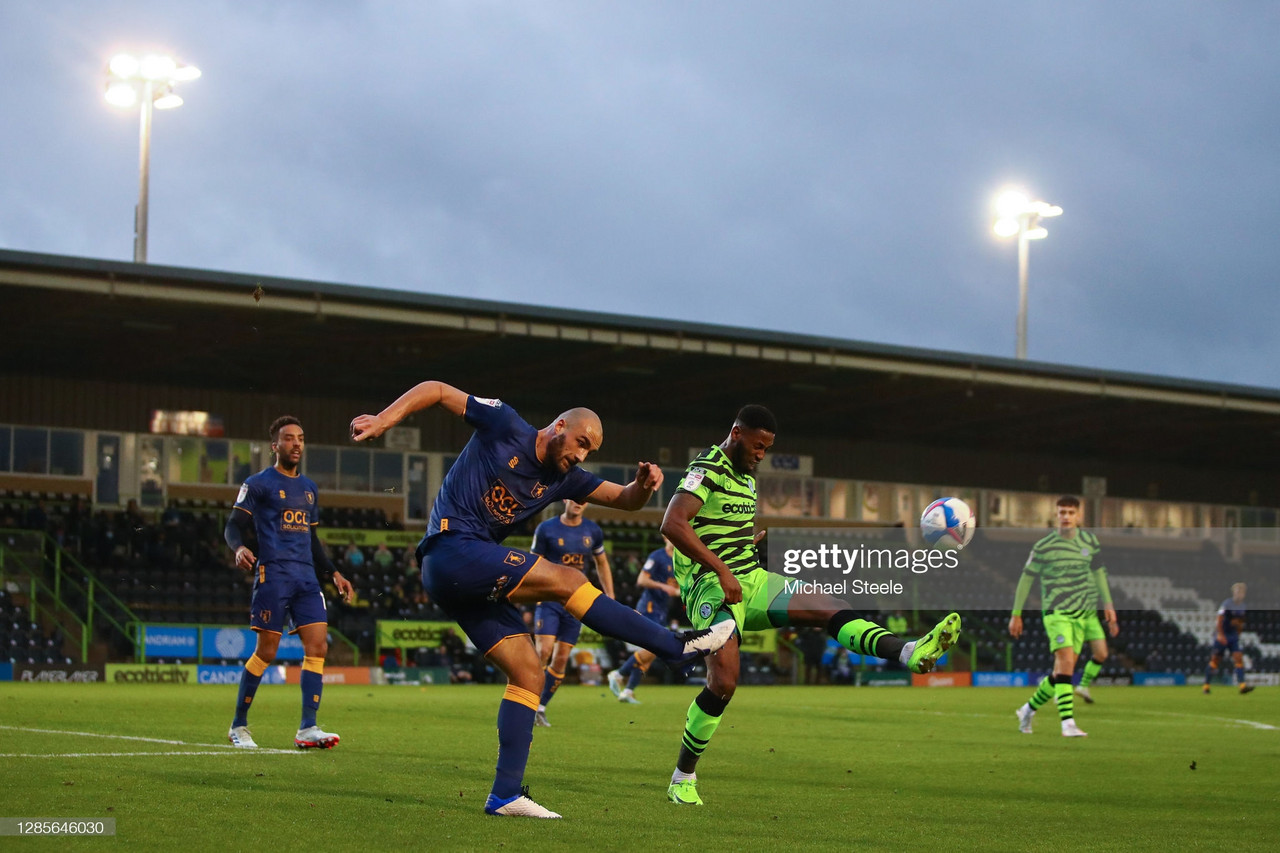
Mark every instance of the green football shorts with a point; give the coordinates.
(763, 605)
(1072, 631)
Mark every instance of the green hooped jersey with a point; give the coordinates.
(726, 521)
(1071, 572)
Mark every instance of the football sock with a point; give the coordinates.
(549, 686)
(1044, 692)
(515, 735)
(254, 667)
(1239, 675)
(700, 724)
(1065, 695)
(312, 685)
(602, 614)
(1210, 671)
(626, 667)
(1091, 670)
(637, 675)
(863, 637)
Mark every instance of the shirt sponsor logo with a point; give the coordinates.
(575, 560)
(295, 520)
(693, 479)
(502, 505)
(748, 507)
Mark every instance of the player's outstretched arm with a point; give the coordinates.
(424, 395)
(633, 495)
(676, 527)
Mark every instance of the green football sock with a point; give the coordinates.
(1065, 695)
(1091, 670)
(1044, 692)
(864, 638)
(700, 724)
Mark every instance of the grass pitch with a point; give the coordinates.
(813, 768)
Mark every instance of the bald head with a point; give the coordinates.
(568, 440)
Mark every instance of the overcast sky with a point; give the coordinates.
(811, 167)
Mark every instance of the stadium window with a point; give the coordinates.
(242, 464)
(30, 451)
(66, 453)
(388, 472)
(353, 470)
(6, 448)
(321, 465)
(214, 465)
(418, 488)
(184, 461)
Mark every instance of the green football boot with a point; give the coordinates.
(931, 646)
(684, 793)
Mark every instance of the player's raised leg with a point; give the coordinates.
(550, 582)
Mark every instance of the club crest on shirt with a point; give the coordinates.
(586, 541)
(705, 610)
(514, 558)
(311, 498)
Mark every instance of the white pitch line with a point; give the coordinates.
(1253, 723)
(146, 740)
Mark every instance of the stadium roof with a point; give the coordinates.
(171, 325)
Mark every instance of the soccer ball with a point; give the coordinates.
(948, 524)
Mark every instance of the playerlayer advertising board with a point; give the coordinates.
(58, 673)
(1001, 679)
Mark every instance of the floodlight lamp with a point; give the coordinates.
(1006, 227)
(1044, 209)
(121, 94)
(1012, 203)
(123, 65)
(168, 100)
(184, 73)
(156, 68)
(1036, 234)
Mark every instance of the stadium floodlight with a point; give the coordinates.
(1017, 214)
(148, 80)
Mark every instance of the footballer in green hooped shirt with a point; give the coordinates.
(711, 522)
(1073, 582)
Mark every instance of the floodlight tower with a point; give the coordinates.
(148, 80)
(1017, 214)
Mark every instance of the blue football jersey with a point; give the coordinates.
(497, 482)
(569, 545)
(284, 509)
(658, 565)
(1232, 617)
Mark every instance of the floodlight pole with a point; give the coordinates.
(1024, 251)
(144, 176)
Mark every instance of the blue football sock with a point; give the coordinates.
(515, 735)
(312, 685)
(249, 681)
(549, 686)
(606, 616)
(637, 676)
(629, 665)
